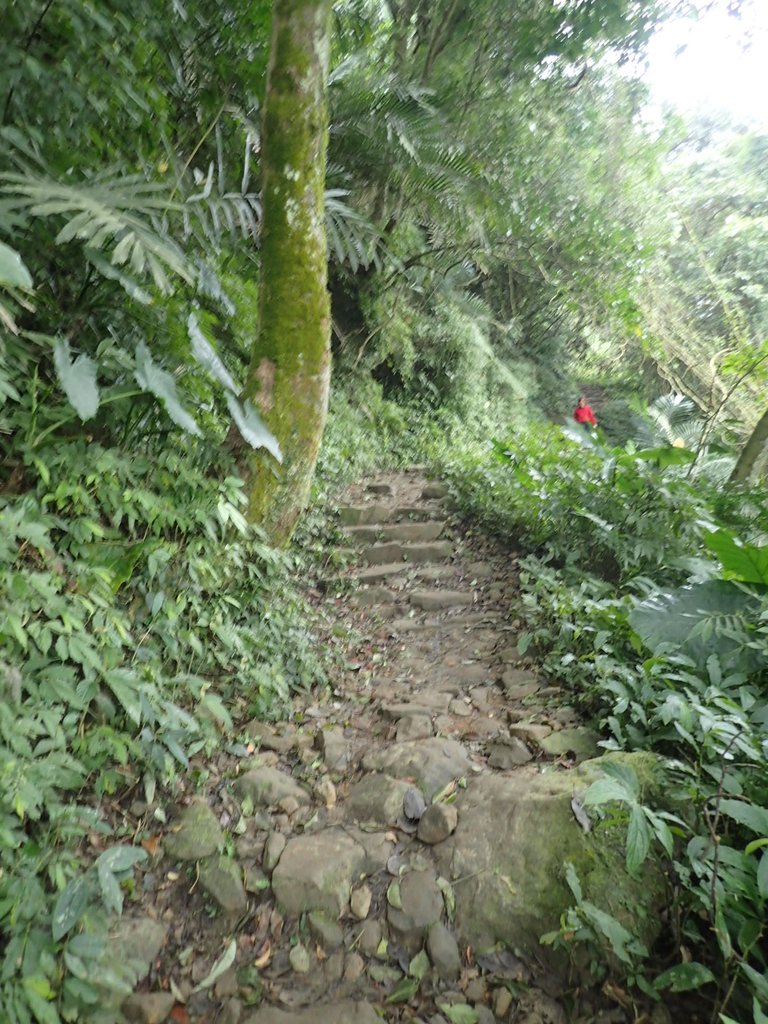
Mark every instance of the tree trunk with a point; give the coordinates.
(289, 373)
(750, 453)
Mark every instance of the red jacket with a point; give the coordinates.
(584, 414)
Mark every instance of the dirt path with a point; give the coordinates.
(372, 859)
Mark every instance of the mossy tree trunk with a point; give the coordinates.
(289, 373)
(750, 453)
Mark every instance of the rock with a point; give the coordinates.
(460, 709)
(231, 1012)
(273, 849)
(268, 739)
(370, 596)
(476, 990)
(414, 727)
(226, 984)
(222, 879)
(519, 683)
(334, 747)
(484, 1015)
(317, 871)
(502, 1002)
(432, 762)
(514, 835)
(421, 907)
(362, 515)
(414, 804)
(435, 600)
(438, 823)
(196, 834)
(425, 704)
(266, 787)
(369, 936)
(581, 740)
(480, 570)
(327, 932)
(148, 1007)
(531, 731)
(360, 902)
(332, 1013)
(299, 959)
(326, 791)
(354, 966)
(380, 488)
(376, 798)
(334, 967)
(443, 951)
(511, 754)
(435, 490)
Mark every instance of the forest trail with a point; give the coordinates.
(382, 851)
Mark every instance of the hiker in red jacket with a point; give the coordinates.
(583, 414)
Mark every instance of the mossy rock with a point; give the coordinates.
(508, 855)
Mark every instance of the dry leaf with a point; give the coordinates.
(151, 844)
(179, 1014)
(264, 956)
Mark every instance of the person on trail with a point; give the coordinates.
(583, 414)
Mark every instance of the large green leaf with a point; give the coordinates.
(207, 356)
(78, 380)
(70, 907)
(684, 977)
(163, 386)
(13, 272)
(750, 815)
(745, 562)
(638, 839)
(252, 427)
(700, 620)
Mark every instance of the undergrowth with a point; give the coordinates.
(644, 591)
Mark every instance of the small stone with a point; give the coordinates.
(581, 741)
(414, 804)
(354, 966)
(334, 747)
(506, 756)
(289, 805)
(370, 936)
(334, 967)
(444, 953)
(519, 683)
(226, 984)
(222, 879)
(326, 791)
(196, 835)
(360, 902)
(460, 709)
(299, 959)
(273, 849)
(434, 490)
(267, 787)
(231, 1012)
(376, 798)
(476, 990)
(484, 1015)
(148, 1007)
(327, 932)
(502, 1001)
(415, 727)
(439, 821)
(530, 731)
(268, 739)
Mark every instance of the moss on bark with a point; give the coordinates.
(289, 374)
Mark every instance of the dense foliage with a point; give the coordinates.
(645, 593)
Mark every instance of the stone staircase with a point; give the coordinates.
(401, 842)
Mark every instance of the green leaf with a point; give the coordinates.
(124, 684)
(684, 977)
(604, 790)
(207, 356)
(162, 385)
(638, 839)
(129, 285)
(38, 991)
(664, 456)
(121, 858)
(70, 907)
(745, 562)
(404, 991)
(459, 1013)
(252, 427)
(78, 380)
(13, 272)
(747, 814)
(223, 964)
(393, 896)
(419, 966)
(762, 876)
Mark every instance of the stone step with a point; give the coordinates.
(382, 554)
(375, 573)
(414, 513)
(360, 515)
(435, 490)
(408, 532)
(367, 597)
(434, 600)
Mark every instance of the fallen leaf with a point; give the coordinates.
(264, 956)
(179, 1015)
(151, 844)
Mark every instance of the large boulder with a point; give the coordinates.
(515, 834)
